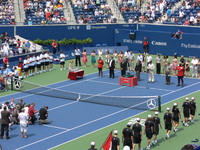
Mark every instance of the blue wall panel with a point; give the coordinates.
(9, 29)
(99, 33)
(160, 42)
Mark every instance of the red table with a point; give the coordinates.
(73, 75)
(132, 81)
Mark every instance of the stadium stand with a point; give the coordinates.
(92, 12)
(7, 14)
(12, 46)
(44, 12)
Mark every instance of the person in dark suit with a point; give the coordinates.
(5, 120)
(138, 69)
(112, 67)
(123, 67)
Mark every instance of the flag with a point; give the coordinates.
(107, 145)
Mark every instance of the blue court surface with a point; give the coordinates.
(72, 119)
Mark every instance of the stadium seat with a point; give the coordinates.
(104, 45)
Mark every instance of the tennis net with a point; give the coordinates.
(134, 102)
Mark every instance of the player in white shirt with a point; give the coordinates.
(38, 64)
(194, 63)
(32, 65)
(62, 61)
(100, 53)
(149, 59)
(140, 57)
(50, 62)
(131, 60)
(46, 63)
(23, 118)
(151, 68)
(42, 57)
(26, 66)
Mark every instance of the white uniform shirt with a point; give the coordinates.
(149, 58)
(25, 63)
(194, 61)
(38, 60)
(26, 110)
(23, 118)
(131, 56)
(140, 58)
(62, 57)
(77, 52)
(47, 56)
(151, 67)
(126, 54)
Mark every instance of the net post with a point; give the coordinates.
(11, 84)
(159, 103)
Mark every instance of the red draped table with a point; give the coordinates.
(73, 75)
(132, 81)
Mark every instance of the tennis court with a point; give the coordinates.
(72, 120)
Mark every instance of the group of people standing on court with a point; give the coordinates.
(132, 133)
(124, 61)
(43, 62)
(20, 113)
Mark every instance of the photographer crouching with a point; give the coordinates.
(43, 116)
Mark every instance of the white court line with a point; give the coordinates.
(115, 123)
(181, 88)
(55, 127)
(134, 86)
(63, 105)
(104, 92)
(153, 88)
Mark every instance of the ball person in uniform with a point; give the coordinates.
(127, 136)
(176, 115)
(137, 130)
(157, 123)
(115, 141)
(148, 130)
(168, 122)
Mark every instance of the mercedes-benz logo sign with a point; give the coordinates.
(151, 103)
(17, 84)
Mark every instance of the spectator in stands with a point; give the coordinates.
(63, 19)
(168, 12)
(43, 22)
(30, 22)
(191, 19)
(27, 46)
(130, 20)
(25, 22)
(5, 61)
(181, 14)
(187, 22)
